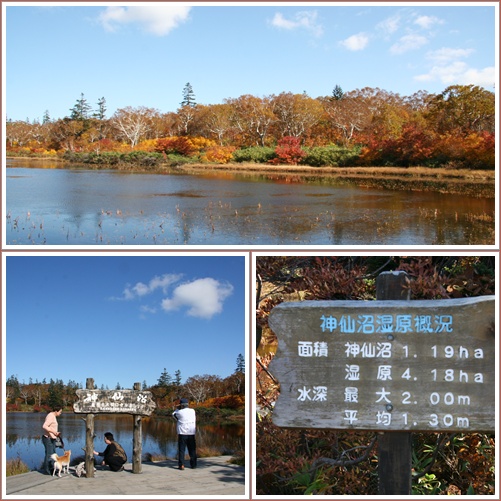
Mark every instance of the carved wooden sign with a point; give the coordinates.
(114, 401)
(386, 365)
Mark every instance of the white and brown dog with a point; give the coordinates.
(80, 469)
(60, 462)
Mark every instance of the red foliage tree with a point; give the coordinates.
(180, 145)
(289, 151)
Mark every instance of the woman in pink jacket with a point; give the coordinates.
(51, 432)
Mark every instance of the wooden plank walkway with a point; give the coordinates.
(212, 477)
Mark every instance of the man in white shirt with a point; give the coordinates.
(186, 429)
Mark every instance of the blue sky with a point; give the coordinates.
(144, 54)
(122, 318)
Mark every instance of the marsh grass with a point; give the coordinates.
(404, 172)
(15, 467)
(208, 452)
(474, 183)
(148, 457)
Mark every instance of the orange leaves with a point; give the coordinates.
(218, 154)
(183, 145)
(226, 402)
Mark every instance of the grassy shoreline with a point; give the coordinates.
(475, 183)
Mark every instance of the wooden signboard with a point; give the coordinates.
(114, 401)
(386, 365)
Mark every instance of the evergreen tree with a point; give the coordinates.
(100, 113)
(81, 110)
(337, 93)
(177, 378)
(46, 117)
(56, 394)
(13, 384)
(188, 96)
(240, 364)
(165, 379)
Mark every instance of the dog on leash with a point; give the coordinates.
(60, 462)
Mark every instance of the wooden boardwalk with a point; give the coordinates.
(213, 477)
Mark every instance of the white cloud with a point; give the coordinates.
(446, 54)
(449, 69)
(426, 22)
(158, 282)
(389, 25)
(306, 20)
(158, 20)
(147, 309)
(485, 77)
(408, 42)
(204, 297)
(355, 42)
(459, 73)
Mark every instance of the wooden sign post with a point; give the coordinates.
(136, 402)
(387, 365)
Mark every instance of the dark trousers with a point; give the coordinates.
(183, 442)
(115, 464)
(50, 449)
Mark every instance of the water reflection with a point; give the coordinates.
(23, 435)
(85, 207)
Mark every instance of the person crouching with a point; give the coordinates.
(114, 455)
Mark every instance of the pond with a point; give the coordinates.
(23, 435)
(79, 206)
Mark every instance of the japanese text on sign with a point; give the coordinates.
(114, 401)
(421, 365)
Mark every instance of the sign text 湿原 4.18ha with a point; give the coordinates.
(386, 365)
(114, 401)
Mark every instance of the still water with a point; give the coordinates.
(78, 206)
(24, 435)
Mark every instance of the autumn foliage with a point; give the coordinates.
(372, 127)
(289, 151)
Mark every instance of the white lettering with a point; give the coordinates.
(449, 399)
(407, 397)
(350, 416)
(305, 348)
(383, 418)
(352, 372)
(351, 394)
(383, 394)
(384, 372)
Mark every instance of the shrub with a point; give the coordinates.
(218, 154)
(140, 158)
(227, 402)
(289, 151)
(179, 145)
(176, 160)
(333, 156)
(183, 145)
(43, 408)
(257, 154)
